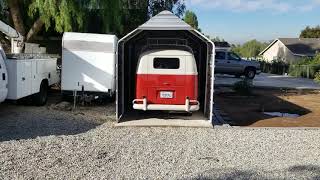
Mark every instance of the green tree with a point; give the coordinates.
(109, 11)
(192, 19)
(310, 32)
(3, 11)
(133, 14)
(30, 17)
(217, 39)
(16, 15)
(63, 15)
(249, 49)
(178, 7)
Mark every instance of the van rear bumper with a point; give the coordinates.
(165, 107)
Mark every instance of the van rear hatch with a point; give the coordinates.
(168, 82)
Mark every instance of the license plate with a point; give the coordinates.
(166, 94)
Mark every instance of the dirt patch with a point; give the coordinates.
(249, 110)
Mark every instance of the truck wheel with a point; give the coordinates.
(41, 97)
(250, 73)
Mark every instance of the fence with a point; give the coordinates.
(305, 71)
(274, 67)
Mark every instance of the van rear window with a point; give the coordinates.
(166, 63)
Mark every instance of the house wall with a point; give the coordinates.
(278, 51)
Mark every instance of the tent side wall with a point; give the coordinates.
(129, 49)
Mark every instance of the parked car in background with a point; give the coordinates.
(227, 62)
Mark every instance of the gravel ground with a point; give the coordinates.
(72, 145)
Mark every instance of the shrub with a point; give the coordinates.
(307, 67)
(306, 71)
(243, 87)
(317, 77)
(274, 67)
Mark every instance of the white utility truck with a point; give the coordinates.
(88, 65)
(25, 75)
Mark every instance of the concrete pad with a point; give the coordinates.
(166, 123)
(163, 119)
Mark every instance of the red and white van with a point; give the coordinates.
(167, 80)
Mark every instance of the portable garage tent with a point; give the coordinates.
(164, 29)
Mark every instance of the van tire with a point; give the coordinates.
(250, 73)
(41, 97)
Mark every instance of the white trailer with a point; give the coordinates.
(88, 64)
(26, 75)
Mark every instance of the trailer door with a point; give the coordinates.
(167, 80)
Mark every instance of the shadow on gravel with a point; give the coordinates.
(29, 122)
(16, 126)
(294, 172)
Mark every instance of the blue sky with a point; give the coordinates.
(238, 21)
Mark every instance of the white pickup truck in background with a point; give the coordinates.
(23, 75)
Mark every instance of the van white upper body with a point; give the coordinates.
(187, 62)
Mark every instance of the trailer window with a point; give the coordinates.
(166, 63)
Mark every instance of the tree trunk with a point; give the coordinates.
(36, 27)
(16, 16)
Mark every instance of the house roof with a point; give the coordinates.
(299, 46)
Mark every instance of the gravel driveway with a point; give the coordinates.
(74, 145)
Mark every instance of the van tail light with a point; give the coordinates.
(139, 102)
(193, 103)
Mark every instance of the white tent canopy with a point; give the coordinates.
(166, 26)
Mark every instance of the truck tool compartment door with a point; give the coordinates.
(26, 78)
(166, 77)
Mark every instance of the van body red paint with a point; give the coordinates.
(166, 80)
(182, 86)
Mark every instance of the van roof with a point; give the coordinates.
(167, 52)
